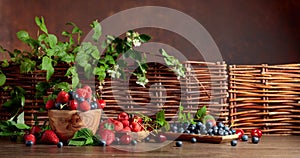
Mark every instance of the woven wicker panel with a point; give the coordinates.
(266, 97)
(162, 92)
(207, 84)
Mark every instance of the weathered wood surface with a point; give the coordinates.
(270, 146)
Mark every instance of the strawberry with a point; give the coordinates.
(49, 137)
(118, 126)
(101, 104)
(35, 130)
(50, 104)
(81, 92)
(135, 127)
(107, 135)
(73, 105)
(85, 106)
(63, 97)
(125, 123)
(89, 91)
(125, 139)
(29, 137)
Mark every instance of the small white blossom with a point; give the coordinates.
(128, 34)
(135, 34)
(129, 40)
(136, 42)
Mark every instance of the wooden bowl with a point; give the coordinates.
(66, 122)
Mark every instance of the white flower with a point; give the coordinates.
(136, 42)
(129, 40)
(135, 34)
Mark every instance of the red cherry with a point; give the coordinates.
(101, 104)
(125, 139)
(123, 116)
(29, 137)
(240, 132)
(160, 138)
(256, 133)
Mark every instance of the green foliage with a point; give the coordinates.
(11, 128)
(174, 64)
(17, 100)
(161, 122)
(83, 137)
(185, 116)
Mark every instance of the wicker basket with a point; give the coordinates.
(66, 122)
(265, 97)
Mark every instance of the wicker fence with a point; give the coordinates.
(243, 96)
(266, 97)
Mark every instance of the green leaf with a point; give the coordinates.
(201, 113)
(23, 36)
(52, 40)
(2, 78)
(22, 126)
(41, 23)
(62, 86)
(144, 38)
(27, 65)
(97, 30)
(82, 137)
(47, 65)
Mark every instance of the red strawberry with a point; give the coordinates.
(50, 104)
(101, 104)
(49, 137)
(107, 135)
(73, 105)
(125, 139)
(29, 137)
(63, 97)
(125, 123)
(118, 125)
(81, 92)
(135, 127)
(88, 88)
(35, 130)
(85, 106)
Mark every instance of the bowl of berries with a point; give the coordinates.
(73, 110)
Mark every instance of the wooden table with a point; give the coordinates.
(270, 146)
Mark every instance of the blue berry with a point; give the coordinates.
(94, 105)
(75, 96)
(255, 140)
(244, 138)
(233, 142)
(133, 142)
(29, 143)
(81, 99)
(102, 143)
(178, 143)
(60, 144)
(58, 106)
(193, 140)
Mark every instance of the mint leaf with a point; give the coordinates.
(97, 30)
(52, 40)
(82, 137)
(201, 113)
(41, 23)
(21, 126)
(2, 78)
(47, 65)
(23, 36)
(144, 38)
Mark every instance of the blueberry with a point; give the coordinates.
(181, 130)
(133, 142)
(220, 125)
(226, 128)
(117, 140)
(60, 144)
(210, 131)
(244, 138)
(81, 99)
(102, 143)
(233, 131)
(187, 131)
(233, 142)
(221, 132)
(226, 133)
(58, 106)
(255, 140)
(209, 125)
(174, 128)
(94, 105)
(193, 140)
(75, 96)
(29, 143)
(147, 139)
(71, 94)
(178, 143)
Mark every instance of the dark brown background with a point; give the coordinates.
(246, 32)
